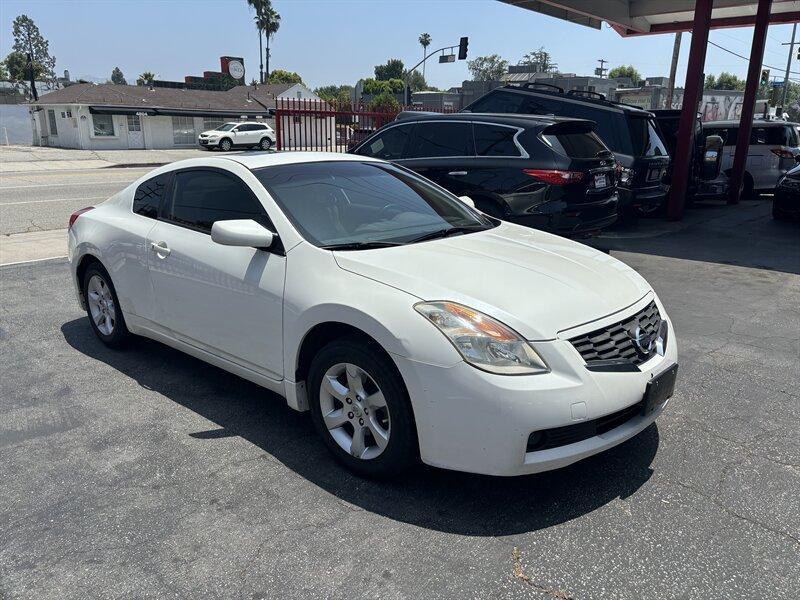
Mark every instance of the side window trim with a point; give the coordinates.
(162, 213)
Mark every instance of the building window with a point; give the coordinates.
(51, 116)
(103, 125)
(134, 123)
(183, 130)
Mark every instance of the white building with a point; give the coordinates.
(121, 117)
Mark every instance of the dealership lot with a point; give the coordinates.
(147, 473)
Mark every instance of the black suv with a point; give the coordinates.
(545, 172)
(630, 132)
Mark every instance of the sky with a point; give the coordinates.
(340, 41)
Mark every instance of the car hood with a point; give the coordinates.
(212, 132)
(537, 283)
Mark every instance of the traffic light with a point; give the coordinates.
(764, 76)
(462, 48)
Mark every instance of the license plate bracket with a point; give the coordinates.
(659, 389)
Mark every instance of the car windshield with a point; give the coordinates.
(226, 127)
(645, 138)
(350, 203)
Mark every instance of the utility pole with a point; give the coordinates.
(673, 68)
(788, 65)
(601, 70)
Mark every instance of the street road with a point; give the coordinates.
(40, 201)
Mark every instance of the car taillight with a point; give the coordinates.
(781, 153)
(74, 216)
(555, 176)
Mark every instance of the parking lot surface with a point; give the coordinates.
(145, 473)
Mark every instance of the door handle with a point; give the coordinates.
(457, 173)
(160, 248)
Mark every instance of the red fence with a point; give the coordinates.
(316, 125)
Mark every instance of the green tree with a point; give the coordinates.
(385, 102)
(28, 39)
(145, 78)
(117, 77)
(416, 81)
(487, 68)
(625, 71)
(4, 72)
(424, 41)
(393, 69)
(540, 59)
(268, 21)
(16, 64)
(282, 76)
(336, 94)
(729, 81)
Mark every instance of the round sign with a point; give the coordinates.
(236, 69)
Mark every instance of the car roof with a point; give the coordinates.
(576, 96)
(498, 118)
(256, 160)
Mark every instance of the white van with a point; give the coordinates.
(772, 151)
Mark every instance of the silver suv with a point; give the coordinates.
(772, 151)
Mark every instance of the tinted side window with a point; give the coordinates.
(201, 197)
(441, 139)
(575, 144)
(605, 123)
(498, 102)
(388, 145)
(537, 105)
(772, 136)
(494, 140)
(148, 196)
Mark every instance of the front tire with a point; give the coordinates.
(102, 307)
(225, 145)
(360, 407)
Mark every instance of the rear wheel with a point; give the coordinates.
(265, 144)
(360, 408)
(102, 306)
(226, 145)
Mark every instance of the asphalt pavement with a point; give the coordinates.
(145, 473)
(41, 201)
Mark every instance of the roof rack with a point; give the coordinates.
(529, 84)
(587, 93)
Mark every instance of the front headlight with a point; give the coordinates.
(483, 342)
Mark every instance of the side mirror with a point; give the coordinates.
(242, 232)
(712, 158)
(467, 200)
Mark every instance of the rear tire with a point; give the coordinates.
(361, 409)
(102, 307)
(265, 144)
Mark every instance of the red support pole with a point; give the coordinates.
(691, 96)
(749, 102)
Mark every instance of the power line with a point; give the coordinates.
(747, 59)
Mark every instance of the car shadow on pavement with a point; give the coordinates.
(446, 501)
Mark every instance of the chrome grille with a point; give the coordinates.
(615, 343)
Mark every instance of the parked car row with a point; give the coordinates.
(572, 162)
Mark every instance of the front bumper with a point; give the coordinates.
(470, 420)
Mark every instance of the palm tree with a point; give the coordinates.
(267, 22)
(424, 41)
(145, 78)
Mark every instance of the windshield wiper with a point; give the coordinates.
(442, 233)
(360, 245)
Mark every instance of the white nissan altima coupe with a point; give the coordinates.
(411, 325)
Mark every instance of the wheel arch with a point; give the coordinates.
(84, 263)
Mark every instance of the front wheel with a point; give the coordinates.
(265, 144)
(102, 306)
(225, 145)
(360, 407)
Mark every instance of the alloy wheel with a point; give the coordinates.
(354, 411)
(101, 305)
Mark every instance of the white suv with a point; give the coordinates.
(243, 135)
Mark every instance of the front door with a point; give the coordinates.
(226, 300)
(135, 134)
